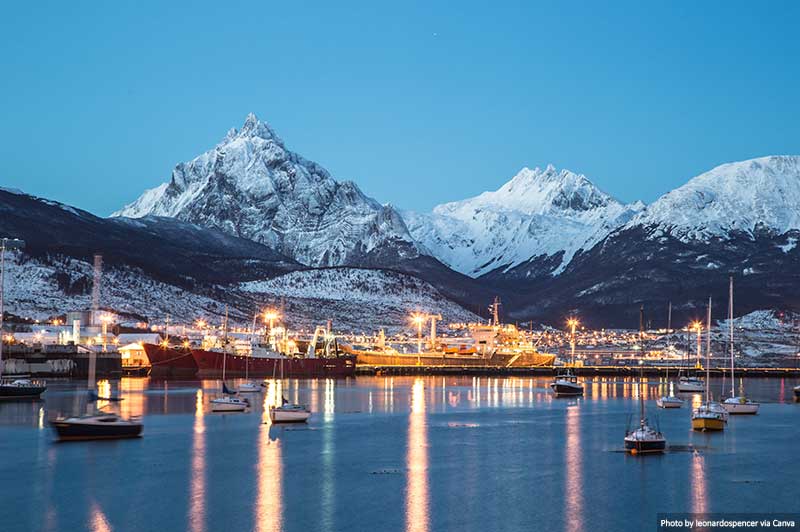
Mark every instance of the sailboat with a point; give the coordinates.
(227, 403)
(288, 412)
(734, 404)
(249, 386)
(565, 383)
(644, 439)
(691, 383)
(708, 416)
(95, 425)
(671, 400)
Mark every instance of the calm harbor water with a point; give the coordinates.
(417, 454)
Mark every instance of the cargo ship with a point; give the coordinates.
(269, 364)
(488, 345)
(170, 361)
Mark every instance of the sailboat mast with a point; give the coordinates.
(708, 350)
(730, 329)
(641, 364)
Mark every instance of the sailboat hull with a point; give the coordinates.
(707, 424)
(75, 430)
(669, 402)
(645, 446)
(739, 408)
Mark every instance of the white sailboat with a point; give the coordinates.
(692, 383)
(671, 400)
(289, 412)
(566, 383)
(228, 402)
(643, 439)
(736, 405)
(249, 386)
(709, 415)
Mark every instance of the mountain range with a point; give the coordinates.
(549, 241)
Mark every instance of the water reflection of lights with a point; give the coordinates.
(328, 452)
(98, 519)
(573, 497)
(197, 478)
(269, 470)
(417, 462)
(699, 501)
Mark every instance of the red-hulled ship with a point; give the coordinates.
(170, 361)
(209, 364)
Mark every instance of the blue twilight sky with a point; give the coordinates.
(418, 103)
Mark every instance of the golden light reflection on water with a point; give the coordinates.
(417, 462)
(699, 489)
(197, 476)
(269, 470)
(98, 521)
(573, 498)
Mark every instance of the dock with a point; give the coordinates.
(549, 371)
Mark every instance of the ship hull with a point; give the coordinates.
(68, 431)
(372, 358)
(209, 364)
(707, 424)
(566, 389)
(8, 392)
(170, 362)
(645, 446)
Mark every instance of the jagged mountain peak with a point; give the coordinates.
(252, 186)
(538, 191)
(744, 197)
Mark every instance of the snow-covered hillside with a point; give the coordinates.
(43, 288)
(358, 300)
(537, 214)
(744, 198)
(252, 186)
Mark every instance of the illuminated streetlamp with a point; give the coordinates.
(572, 323)
(419, 319)
(269, 318)
(698, 326)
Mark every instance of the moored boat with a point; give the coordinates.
(170, 361)
(736, 405)
(566, 384)
(21, 388)
(691, 384)
(229, 404)
(99, 426)
(289, 413)
(209, 364)
(669, 402)
(709, 416)
(797, 392)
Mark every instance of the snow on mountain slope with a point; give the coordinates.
(38, 289)
(537, 214)
(746, 197)
(251, 186)
(358, 300)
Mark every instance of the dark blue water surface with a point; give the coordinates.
(392, 453)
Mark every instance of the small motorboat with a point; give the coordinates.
(289, 413)
(249, 387)
(566, 384)
(797, 392)
(669, 401)
(705, 418)
(740, 405)
(21, 388)
(691, 384)
(98, 426)
(229, 404)
(645, 439)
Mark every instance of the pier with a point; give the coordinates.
(581, 371)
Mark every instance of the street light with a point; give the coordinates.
(572, 323)
(698, 326)
(5, 243)
(419, 319)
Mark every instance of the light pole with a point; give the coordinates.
(269, 318)
(10, 243)
(698, 326)
(419, 319)
(572, 322)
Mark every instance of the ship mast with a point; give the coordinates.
(730, 329)
(708, 350)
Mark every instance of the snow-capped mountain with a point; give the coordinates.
(744, 198)
(250, 185)
(536, 222)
